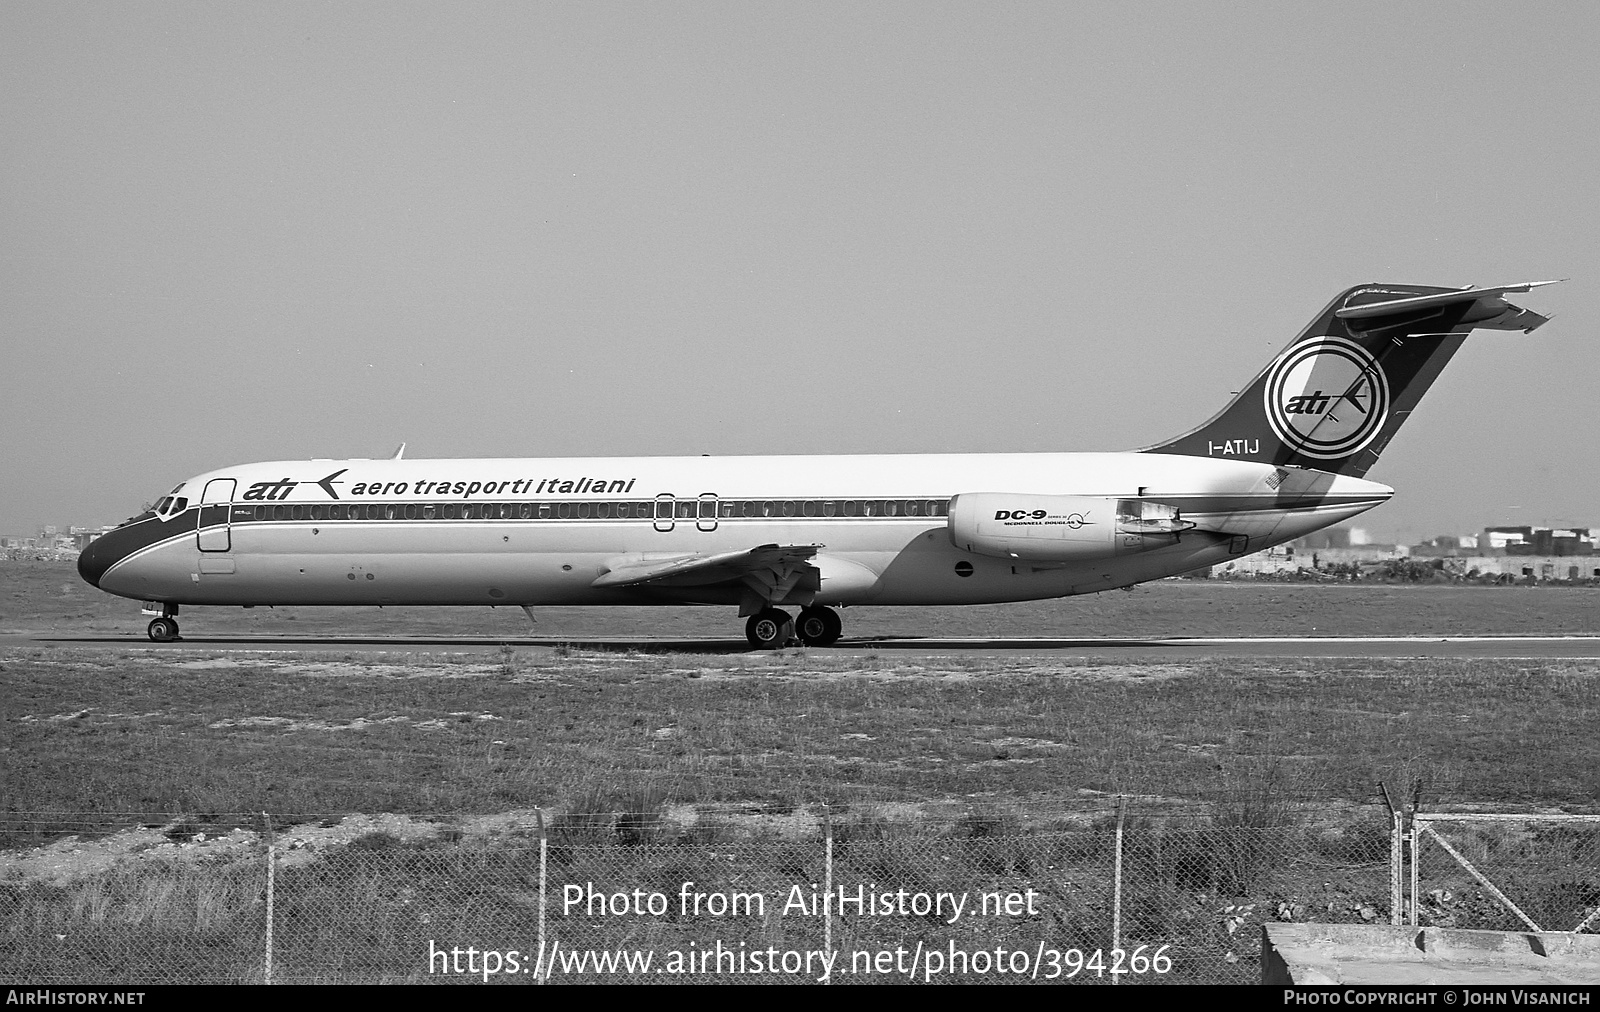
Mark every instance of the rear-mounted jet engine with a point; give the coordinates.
(1061, 528)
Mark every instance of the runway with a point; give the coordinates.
(1105, 648)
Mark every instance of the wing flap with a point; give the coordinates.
(698, 570)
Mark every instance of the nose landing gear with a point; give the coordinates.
(163, 628)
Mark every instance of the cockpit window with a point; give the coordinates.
(170, 506)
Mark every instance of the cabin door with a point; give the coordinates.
(213, 528)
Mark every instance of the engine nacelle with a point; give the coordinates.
(1061, 528)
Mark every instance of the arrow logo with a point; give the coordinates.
(328, 483)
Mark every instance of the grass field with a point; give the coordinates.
(124, 730)
(1252, 783)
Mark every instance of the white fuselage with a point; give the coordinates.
(542, 531)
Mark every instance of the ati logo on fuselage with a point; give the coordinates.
(1327, 398)
(281, 488)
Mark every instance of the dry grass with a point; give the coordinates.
(153, 736)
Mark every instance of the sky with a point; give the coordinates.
(239, 232)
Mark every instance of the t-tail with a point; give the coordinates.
(1339, 392)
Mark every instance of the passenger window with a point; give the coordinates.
(686, 509)
(913, 507)
(852, 507)
(564, 510)
(544, 511)
(769, 508)
(750, 508)
(727, 509)
(871, 508)
(585, 510)
(318, 512)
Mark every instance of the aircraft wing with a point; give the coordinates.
(769, 565)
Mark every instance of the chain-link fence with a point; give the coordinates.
(1505, 872)
(1115, 898)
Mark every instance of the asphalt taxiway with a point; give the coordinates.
(1173, 648)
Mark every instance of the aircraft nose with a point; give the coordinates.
(104, 552)
(91, 561)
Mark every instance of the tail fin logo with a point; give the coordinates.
(1327, 398)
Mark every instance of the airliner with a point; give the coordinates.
(1284, 458)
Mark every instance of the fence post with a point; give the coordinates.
(827, 883)
(1416, 843)
(1396, 855)
(541, 972)
(1397, 863)
(272, 861)
(1116, 885)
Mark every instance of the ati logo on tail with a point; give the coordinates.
(1327, 398)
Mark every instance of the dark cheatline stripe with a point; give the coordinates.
(114, 546)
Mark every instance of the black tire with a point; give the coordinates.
(769, 629)
(163, 630)
(819, 627)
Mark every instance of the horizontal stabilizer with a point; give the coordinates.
(1493, 314)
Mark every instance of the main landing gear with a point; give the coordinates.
(772, 628)
(819, 627)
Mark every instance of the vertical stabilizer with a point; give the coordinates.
(1339, 392)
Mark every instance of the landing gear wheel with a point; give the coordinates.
(163, 630)
(819, 627)
(769, 629)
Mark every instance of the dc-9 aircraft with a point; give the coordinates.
(1286, 457)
